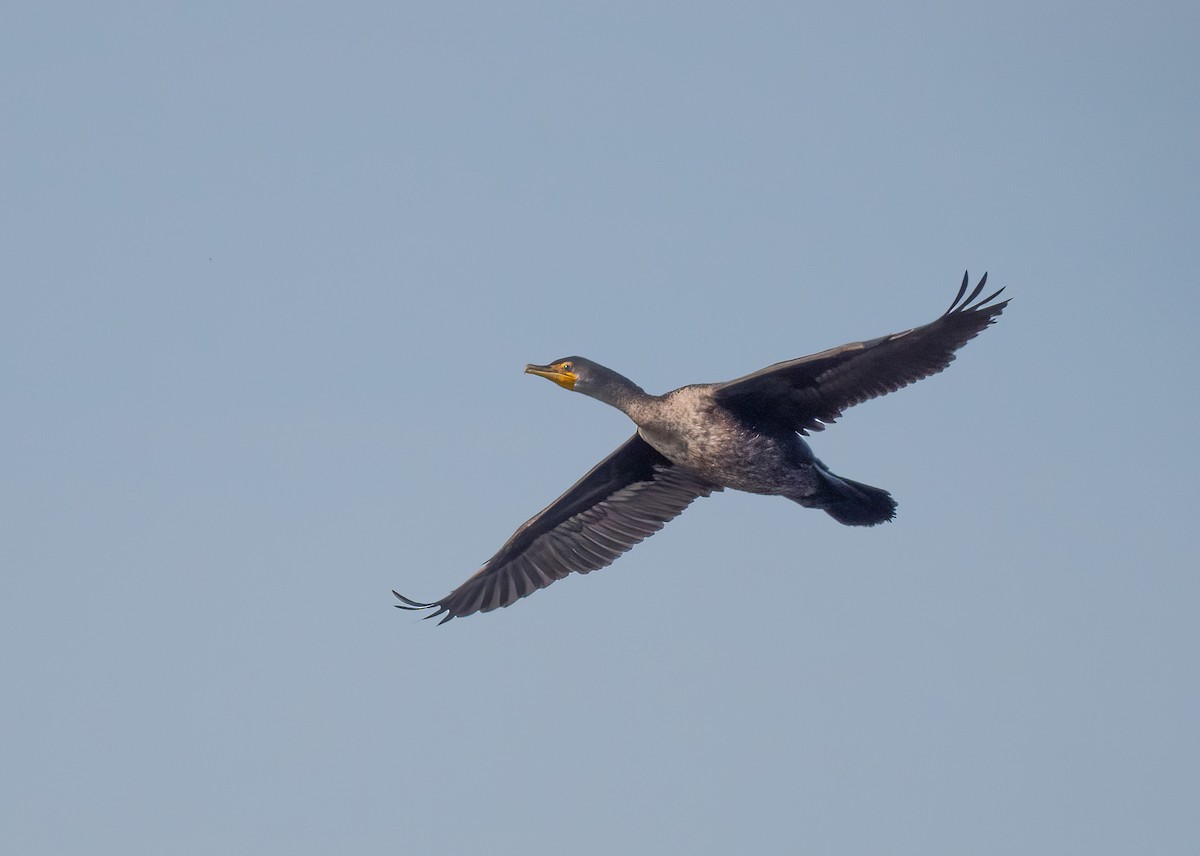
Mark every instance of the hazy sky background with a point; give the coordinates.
(271, 273)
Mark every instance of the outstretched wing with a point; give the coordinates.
(807, 393)
(625, 499)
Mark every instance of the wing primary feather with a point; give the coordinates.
(962, 289)
(960, 305)
(523, 579)
(975, 293)
(988, 299)
(473, 601)
(411, 604)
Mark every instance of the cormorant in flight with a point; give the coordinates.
(699, 439)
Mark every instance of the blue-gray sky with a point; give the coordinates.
(272, 271)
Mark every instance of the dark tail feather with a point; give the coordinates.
(857, 504)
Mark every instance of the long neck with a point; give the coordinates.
(620, 392)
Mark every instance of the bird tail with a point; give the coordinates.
(856, 504)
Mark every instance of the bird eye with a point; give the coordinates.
(566, 366)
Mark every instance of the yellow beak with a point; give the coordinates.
(563, 378)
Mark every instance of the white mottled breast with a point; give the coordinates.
(672, 424)
(689, 429)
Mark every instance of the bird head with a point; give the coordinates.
(592, 379)
(568, 372)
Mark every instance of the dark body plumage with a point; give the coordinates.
(742, 434)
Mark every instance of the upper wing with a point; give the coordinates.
(808, 392)
(625, 499)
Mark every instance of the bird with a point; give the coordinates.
(744, 434)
